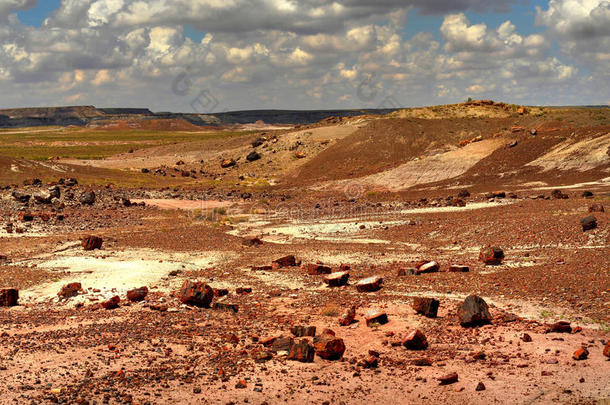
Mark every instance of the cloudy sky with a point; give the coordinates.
(216, 55)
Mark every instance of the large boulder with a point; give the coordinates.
(9, 297)
(337, 279)
(474, 311)
(196, 293)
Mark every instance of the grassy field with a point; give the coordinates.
(43, 143)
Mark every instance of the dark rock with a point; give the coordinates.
(253, 156)
(587, 194)
(21, 197)
(464, 194)
(251, 241)
(9, 297)
(526, 338)
(137, 294)
(480, 387)
(318, 269)
(87, 198)
(491, 255)
(196, 293)
(337, 279)
(223, 306)
(375, 317)
(597, 208)
(243, 290)
(220, 292)
(428, 267)
(71, 182)
(55, 192)
(426, 306)
(370, 361)
(415, 340)
(282, 344)
(558, 195)
(607, 350)
(559, 327)
(474, 311)
(588, 223)
(92, 242)
(112, 303)
(286, 261)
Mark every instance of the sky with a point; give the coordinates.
(206, 56)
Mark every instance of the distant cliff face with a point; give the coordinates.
(86, 115)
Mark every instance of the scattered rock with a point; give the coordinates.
(112, 303)
(491, 255)
(376, 317)
(137, 294)
(253, 156)
(301, 351)
(474, 311)
(448, 379)
(243, 290)
(426, 306)
(92, 242)
(9, 297)
(286, 261)
(588, 223)
(370, 284)
(480, 387)
(337, 279)
(318, 269)
(415, 340)
(558, 195)
(456, 268)
(370, 361)
(328, 346)
(196, 293)
(348, 317)
(87, 198)
(226, 163)
(223, 306)
(581, 354)
(427, 267)
(70, 290)
(21, 197)
(526, 338)
(559, 327)
(251, 241)
(597, 208)
(464, 193)
(301, 331)
(587, 194)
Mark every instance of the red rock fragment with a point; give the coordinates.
(474, 311)
(559, 327)
(456, 268)
(243, 290)
(581, 354)
(370, 284)
(491, 255)
(137, 294)
(69, 290)
(317, 269)
(196, 293)
(375, 317)
(426, 306)
(286, 261)
(92, 242)
(328, 346)
(607, 350)
(448, 379)
(9, 297)
(337, 279)
(301, 351)
(526, 338)
(301, 331)
(112, 303)
(348, 317)
(415, 340)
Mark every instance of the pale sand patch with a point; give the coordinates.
(189, 205)
(117, 273)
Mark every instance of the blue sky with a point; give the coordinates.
(303, 54)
